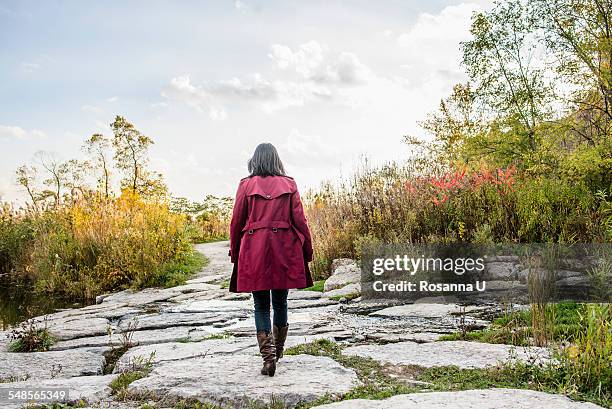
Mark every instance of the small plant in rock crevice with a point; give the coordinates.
(138, 367)
(30, 336)
(125, 339)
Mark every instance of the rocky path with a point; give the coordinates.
(197, 341)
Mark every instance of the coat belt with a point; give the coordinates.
(272, 224)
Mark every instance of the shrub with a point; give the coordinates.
(99, 244)
(400, 203)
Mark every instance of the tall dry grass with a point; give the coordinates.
(97, 244)
(410, 204)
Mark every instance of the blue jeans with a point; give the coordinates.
(262, 309)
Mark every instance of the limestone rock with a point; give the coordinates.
(213, 306)
(343, 275)
(350, 289)
(422, 310)
(51, 364)
(208, 279)
(142, 297)
(304, 295)
(167, 320)
(463, 354)
(232, 380)
(503, 285)
(406, 336)
(339, 262)
(91, 389)
(500, 270)
(174, 351)
(145, 337)
(195, 287)
(471, 399)
(310, 303)
(77, 327)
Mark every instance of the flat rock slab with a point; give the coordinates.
(234, 380)
(354, 288)
(173, 351)
(304, 295)
(214, 305)
(310, 303)
(195, 287)
(76, 327)
(142, 297)
(92, 389)
(473, 399)
(208, 279)
(109, 311)
(422, 310)
(463, 354)
(419, 337)
(145, 337)
(167, 320)
(51, 364)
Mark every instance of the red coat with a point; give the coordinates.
(270, 242)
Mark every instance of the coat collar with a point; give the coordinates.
(269, 187)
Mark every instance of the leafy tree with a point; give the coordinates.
(97, 147)
(131, 148)
(580, 33)
(457, 119)
(57, 174)
(26, 177)
(504, 63)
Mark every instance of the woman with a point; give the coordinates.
(270, 247)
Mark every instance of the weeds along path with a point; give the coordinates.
(172, 346)
(218, 261)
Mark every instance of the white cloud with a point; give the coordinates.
(181, 89)
(434, 38)
(312, 61)
(29, 67)
(8, 132)
(240, 6)
(310, 73)
(112, 99)
(269, 96)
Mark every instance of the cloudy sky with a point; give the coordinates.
(325, 81)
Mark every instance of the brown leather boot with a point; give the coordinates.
(280, 335)
(268, 352)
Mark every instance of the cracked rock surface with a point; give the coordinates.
(199, 341)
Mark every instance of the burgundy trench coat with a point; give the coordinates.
(270, 243)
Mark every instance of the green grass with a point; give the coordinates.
(203, 240)
(552, 378)
(348, 297)
(138, 368)
(120, 383)
(514, 328)
(175, 273)
(377, 384)
(316, 286)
